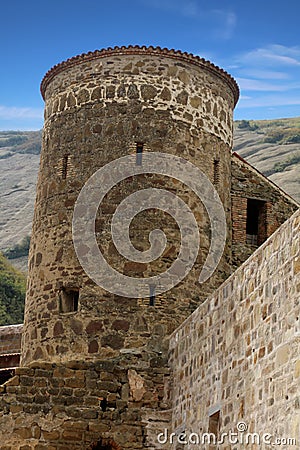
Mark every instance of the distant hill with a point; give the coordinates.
(272, 146)
(23, 142)
(19, 162)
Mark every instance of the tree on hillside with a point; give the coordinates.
(21, 249)
(12, 293)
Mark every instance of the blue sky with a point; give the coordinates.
(258, 42)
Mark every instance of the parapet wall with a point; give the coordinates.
(236, 358)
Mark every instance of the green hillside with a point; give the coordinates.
(12, 293)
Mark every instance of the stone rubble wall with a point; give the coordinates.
(196, 92)
(239, 351)
(55, 407)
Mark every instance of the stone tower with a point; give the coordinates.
(99, 107)
(112, 349)
(99, 368)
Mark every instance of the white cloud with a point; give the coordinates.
(268, 101)
(15, 112)
(268, 77)
(189, 9)
(249, 84)
(272, 55)
(264, 74)
(245, 97)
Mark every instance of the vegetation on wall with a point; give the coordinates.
(12, 293)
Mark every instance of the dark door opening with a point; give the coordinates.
(256, 222)
(102, 447)
(105, 444)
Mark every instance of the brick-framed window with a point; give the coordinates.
(216, 174)
(65, 166)
(152, 294)
(250, 220)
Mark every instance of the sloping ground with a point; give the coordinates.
(279, 160)
(19, 161)
(17, 193)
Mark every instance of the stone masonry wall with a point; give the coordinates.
(58, 407)
(248, 183)
(165, 79)
(99, 107)
(238, 353)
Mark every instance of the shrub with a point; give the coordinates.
(246, 125)
(18, 250)
(282, 165)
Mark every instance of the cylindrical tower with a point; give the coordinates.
(101, 106)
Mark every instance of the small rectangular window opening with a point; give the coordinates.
(69, 300)
(139, 153)
(216, 171)
(65, 166)
(103, 403)
(214, 427)
(152, 294)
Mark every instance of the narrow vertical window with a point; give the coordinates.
(152, 295)
(65, 166)
(214, 427)
(139, 153)
(103, 403)
(216, 172)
